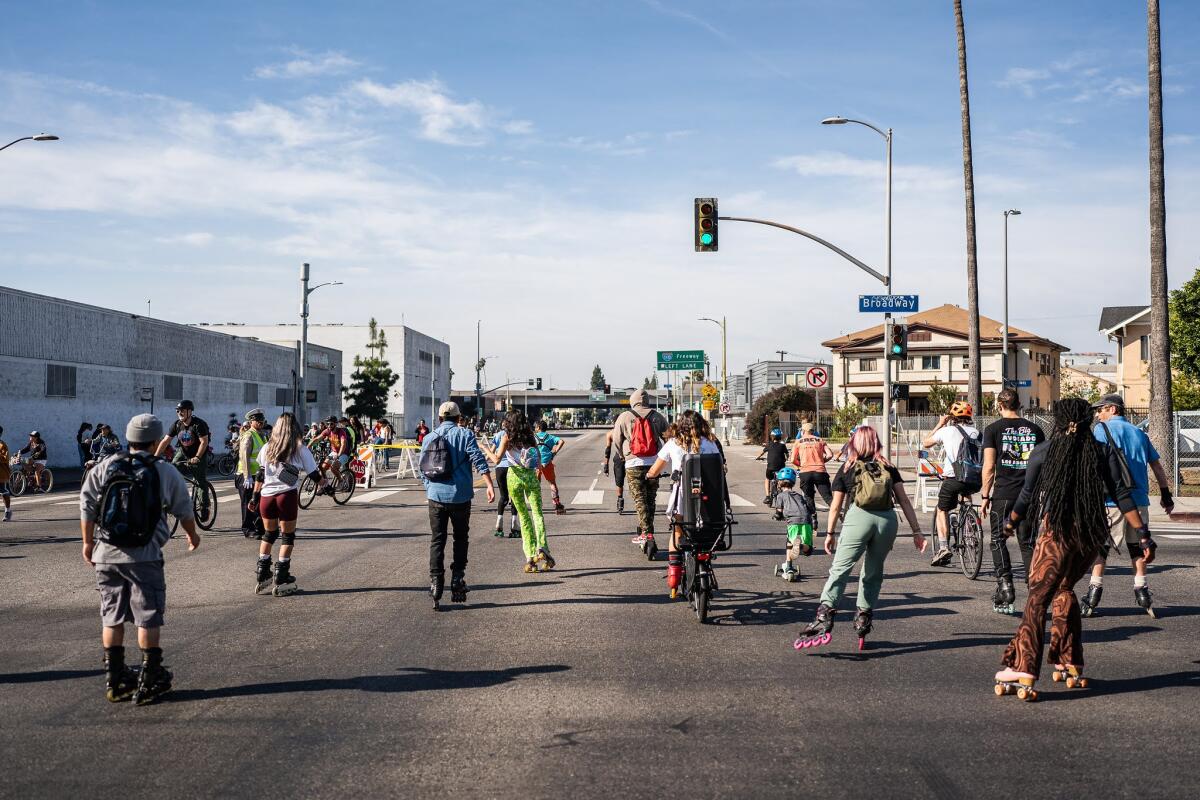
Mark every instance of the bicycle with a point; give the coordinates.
(964, 536)
(341, 488)
(205, 517)
(703, 529)
(226, 463)
(23, 477)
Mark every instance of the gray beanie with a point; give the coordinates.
(144, 429)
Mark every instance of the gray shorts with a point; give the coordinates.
(134, 593)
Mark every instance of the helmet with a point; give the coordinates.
(256, 414)
(330, 420)
(776, 433)
(187, 405)
(786, 474)
(960, 409)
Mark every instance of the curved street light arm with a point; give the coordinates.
(869, 125)
(14, 141)
(876, 275)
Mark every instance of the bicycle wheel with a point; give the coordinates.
(701, 605)
(226, 464)
(47, 481)
(970, 553)
(206, 517)
(308, 492)
(16, 484)
(343, 490)
(174, 526)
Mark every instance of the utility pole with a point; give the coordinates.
(478, 369)
(782, 353)
(301, 394)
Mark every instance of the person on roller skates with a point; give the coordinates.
(548, 446)
(794, 508)
(124, 504)
(872, 487)
(282, 464)
(519, 446)
(1066, 484)
(618, 470)
(637, 435)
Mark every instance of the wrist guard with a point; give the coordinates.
(1167, 497)
(1147, 542)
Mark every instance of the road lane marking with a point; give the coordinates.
(371, 497)
(737, 501)
(589, 497)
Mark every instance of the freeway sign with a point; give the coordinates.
(680, 359)
(872, 303)
(597, 397)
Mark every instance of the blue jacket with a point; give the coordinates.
(465, 453)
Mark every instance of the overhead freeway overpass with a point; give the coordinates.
(539, 400)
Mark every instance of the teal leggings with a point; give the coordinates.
(864, 532)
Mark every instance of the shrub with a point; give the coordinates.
(787, 399)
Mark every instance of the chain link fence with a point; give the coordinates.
(1187, 449)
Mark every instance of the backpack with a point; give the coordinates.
(131, 503)
(968, 467)
(436, 462)
(872, 486)
(642, 440)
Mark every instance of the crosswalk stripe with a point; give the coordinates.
(588, 497)
(737, 501)
(371, 497)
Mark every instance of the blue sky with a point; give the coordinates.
(532, 165)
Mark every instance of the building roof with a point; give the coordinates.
(949, 319)
(1078, 376)
(1113, 317)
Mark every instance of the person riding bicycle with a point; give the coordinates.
(191, 458)
(960, 443)
(5, 474)
(103, 444)
(776, 453)
(339, 447)
(33, 455)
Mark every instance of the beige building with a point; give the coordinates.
(1129, 327)
(938, 351)
(1084, 383)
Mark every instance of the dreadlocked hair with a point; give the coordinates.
(1071, 489)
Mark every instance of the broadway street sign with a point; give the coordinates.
(680, 359)
(906, 303)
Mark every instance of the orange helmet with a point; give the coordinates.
(960, 409)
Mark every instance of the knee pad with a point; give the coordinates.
(270, 536)
(287, 538)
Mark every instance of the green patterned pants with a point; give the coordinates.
(525, 490)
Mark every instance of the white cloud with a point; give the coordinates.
(829, 164)
(442, 118)
(1180, 139)
(268, 121)
(195, 239)
(1023, 79)
(308, 65)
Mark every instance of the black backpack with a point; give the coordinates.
(968, 467)
(437, 465)
(131, 504)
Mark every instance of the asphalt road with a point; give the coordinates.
(586, 681)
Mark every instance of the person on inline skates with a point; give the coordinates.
(618, 470)
(281, 465)
(519, 446)
(692, 435)
(5, 474)
(548, 447)
(505, 499)
(1007, 445)
(1139, 456)
(637, 436)
(961, 453)
(801, 516)
(776, 454)
(123, 503)
(1066, 484)
(873, 487)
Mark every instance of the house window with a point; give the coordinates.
(1144, 348)
(60, 380)
(172, 387)
(868, 364)
(920, 336)
(908, 363)
(250, 393)
(931, 362)
(283, 397)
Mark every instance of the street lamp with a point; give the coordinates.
(724, 364)
(302, 399)
(887, 317)
(1004, 363)
(41, 137)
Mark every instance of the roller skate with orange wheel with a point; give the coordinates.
(1069, 674)
(862, 626)
(1009, 681)
(819, 632)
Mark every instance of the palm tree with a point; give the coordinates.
(1160, 342)
(974, 382)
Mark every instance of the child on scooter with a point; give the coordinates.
(800, 515)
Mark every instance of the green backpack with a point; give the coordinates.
(872, 486)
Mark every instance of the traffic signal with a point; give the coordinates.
(900, 391)
(898, 347)
(608, 388)
(706, 224)
(539, 384)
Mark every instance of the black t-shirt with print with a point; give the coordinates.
(845, 483)
(189, 435)
(1013, 441)
(777, 455)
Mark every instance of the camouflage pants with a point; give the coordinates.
(645, 494)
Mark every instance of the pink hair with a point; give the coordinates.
(864, 444)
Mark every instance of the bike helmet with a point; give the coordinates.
(776, 433)
(960, 409)
(185, 405)
(786, 474)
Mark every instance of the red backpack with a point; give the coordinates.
(643, 441)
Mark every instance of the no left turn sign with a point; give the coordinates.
(817, 377)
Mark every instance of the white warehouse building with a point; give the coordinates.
(63, 363)
(422, 362)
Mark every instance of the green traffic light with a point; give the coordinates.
(896, 349)
(706, 238)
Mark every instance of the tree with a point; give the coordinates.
(371, 380)
(1084, 391)
(941, 396)
(598, 380)
(845, 417)
(786, 399)
(1185, 391)
(1160, 341)
(1185, 329)
(650, 382)
(975, 382)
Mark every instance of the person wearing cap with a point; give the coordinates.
(131, 579)
(249, 445)
(5, 474)
(450, 500)
(339, 446)
(104, 443)
(809, 456)
(191, 458)
(1139, 453)
(643, 489)
(35, 453)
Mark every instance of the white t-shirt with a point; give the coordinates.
(672, 453)
(951, 439)
(302, 460)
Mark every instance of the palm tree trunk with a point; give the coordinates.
(974, 387)
(1161, 428)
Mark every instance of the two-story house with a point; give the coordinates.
(938, 352)
(1129, 327)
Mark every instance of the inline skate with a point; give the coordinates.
(1091, 601)
(435, 590)
(862, 626)
(1005, 594)
(262, 576)
(458, 588)
(819, 631)
(154, 680)
(120, 681)
(285, 582)
(1141, 595)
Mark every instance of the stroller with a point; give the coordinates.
(705, 526)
